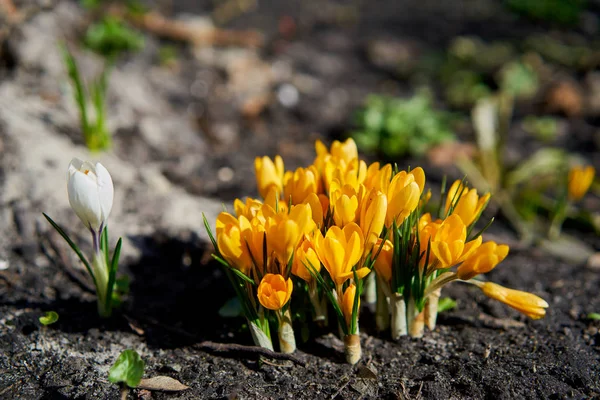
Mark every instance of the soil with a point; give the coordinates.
(184, 143)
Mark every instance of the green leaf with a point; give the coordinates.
(128, 369)
(112, 37)
(446, 304)
(112, 273)
(73, 246)
(49, 318)
(594, 316)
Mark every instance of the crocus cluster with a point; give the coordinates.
(318, 233)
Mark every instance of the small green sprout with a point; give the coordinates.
(446, 304)
(128, 369)
(594, 316)
(49, 318)
(95, 133)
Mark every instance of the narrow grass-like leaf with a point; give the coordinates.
(112, 273)
(73, 246)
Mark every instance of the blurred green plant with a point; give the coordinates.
(577, 53)
(95, 132)
(564, 12)
(395, 127)
(111, 37)
(519, 80)
(545, 128)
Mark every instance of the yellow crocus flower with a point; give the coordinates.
(348, 303)
(284, 231)
(403, 195)
(340, 250)
(269, 174)
(249, 209)
(372, 217)
(526, 303)
(449, 245)
(300, 183)
(467, 203)
(482, 260)
(318, 205)
(580, 180)
(378, 178)
(383, 262)
(344, 202)
(231, 244)
(305, 257)
(274, 291)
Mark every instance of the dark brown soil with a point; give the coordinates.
(479, 350)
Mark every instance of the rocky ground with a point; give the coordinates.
(185, 139)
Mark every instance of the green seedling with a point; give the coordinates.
(396, 127)
(128, 369)
(49, 318)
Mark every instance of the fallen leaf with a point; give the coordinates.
(163, 383)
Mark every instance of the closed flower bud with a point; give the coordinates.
(403, 195)
(274, 291)
(284, 231)
(482, 260)
(301, 183)
(526, 303)
(269, 174)
(372, 218)
(348, 303)
(340, 250)
(305, 257)
(467, 203)
(449, 245)
(91, 192)
(383, 262)
(580, 180)
(232, 243)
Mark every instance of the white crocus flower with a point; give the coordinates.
(91, 193)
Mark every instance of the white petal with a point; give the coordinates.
(105, 191)
(74, 165)
(84, 199)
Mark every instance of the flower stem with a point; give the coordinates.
(399, 326)
(287, 340)
(416, 320)
(100, 270)
(352, 348)
(431, 308)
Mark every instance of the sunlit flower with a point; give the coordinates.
(300, 183)
(305, 257)
(91, 193)
(580, 180)
(269, 174)
(378, 178)
(248, 209)
(348, 303)
(449, 245)
(340, 250)
(482, 260)
(403, 195)
(274, 291)
(344, 202)
(372, 217)
(524, 302)
(383, 262)
(284, 231)
(467, 203)
(319, 204)
(231, 242)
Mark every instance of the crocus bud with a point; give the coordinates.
(580, 180)
(526, 303)
(274, 291)
(90, 192)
